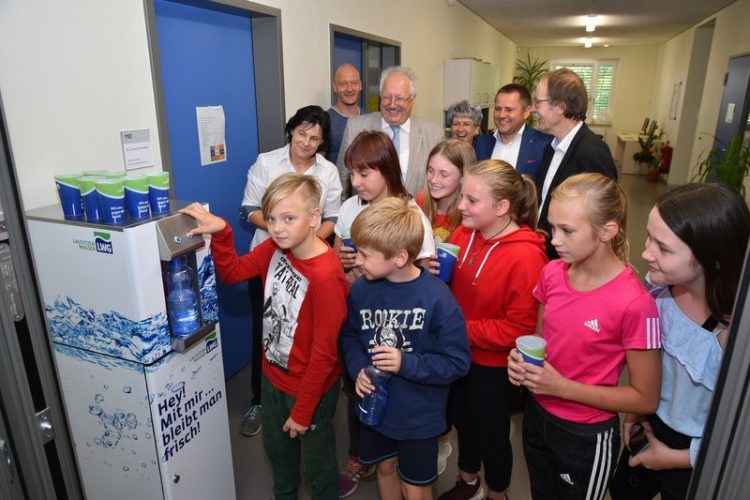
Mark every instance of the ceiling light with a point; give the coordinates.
(591, 23)
(588, 42)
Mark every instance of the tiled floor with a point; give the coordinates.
(252, 471)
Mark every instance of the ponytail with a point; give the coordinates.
(527, 210)
(604, 201)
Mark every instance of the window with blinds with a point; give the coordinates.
(599, 78)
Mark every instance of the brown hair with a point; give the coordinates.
(460, 154)
(506, 184)
(374, 150)
(565, 88)
(714, 222)
(388, 227)
(286, 185)
(604, 201)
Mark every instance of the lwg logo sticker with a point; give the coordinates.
(211, 342)
(102, 241)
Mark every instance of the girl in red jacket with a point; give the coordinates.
(498, 265)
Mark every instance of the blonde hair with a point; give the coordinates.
(389, 226)
(505, 183)
(604, 201)
(288, 184)
(460, 154)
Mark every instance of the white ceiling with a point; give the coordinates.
(620, 22)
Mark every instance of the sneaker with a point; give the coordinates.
(350, 476)
(444, 451)
(464, 491)
(252, 422)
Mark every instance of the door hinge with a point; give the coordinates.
(46, 429)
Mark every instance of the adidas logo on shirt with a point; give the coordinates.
(592, 324)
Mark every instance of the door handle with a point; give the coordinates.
(8, 459)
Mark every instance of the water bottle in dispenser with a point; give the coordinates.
(182, 300)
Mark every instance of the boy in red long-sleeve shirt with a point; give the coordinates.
(304, 308)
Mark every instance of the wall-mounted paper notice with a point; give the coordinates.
(211, 139)
(136, 149)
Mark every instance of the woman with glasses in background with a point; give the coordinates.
(465, 120)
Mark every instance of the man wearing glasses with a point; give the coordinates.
(514, 140)
(560, 106)
(412, 137)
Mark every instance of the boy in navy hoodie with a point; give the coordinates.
(405, 321)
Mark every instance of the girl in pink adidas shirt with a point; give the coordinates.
(596, 317)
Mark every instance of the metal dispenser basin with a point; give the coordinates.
(173, 238)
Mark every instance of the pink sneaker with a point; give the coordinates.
(350, 476)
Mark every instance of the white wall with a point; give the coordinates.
(72, 76)
(633, 97)
(429, 31)
(75, 74)
(731, 38)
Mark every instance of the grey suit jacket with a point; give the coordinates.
(423, 136)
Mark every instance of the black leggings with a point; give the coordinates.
(479, 406)
(637, 483)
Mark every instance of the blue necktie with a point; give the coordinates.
(396, 130)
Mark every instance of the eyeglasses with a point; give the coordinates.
(396, 99)
(537, 102)
(463, 123)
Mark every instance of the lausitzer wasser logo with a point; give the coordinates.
(101, 243)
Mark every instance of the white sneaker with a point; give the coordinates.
(444, 451)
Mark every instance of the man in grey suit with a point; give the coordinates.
(413, 137)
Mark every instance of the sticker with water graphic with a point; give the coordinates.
(109, 333)
(124, 435)
(207, 286)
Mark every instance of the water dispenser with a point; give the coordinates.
(179, 273)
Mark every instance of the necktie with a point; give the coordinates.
(396, 130)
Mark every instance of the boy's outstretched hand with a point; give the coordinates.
(207, 222)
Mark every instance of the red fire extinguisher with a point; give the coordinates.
(666, 158)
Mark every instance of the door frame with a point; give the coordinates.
(369, 81)
(267, 59)
(45, 462)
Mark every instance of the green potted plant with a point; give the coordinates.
(730, 165)
(528, 73)
(648, 156)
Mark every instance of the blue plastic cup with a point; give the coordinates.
(158, 192)
(447, 254)
(90, 197)
(70, 195)
(111, 200)
(347, 242)
(532, 349)
(136, 196)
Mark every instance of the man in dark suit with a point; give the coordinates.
(513, 140)
(560, 105)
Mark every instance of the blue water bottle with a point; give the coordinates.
(182, 301)
(372, 407)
